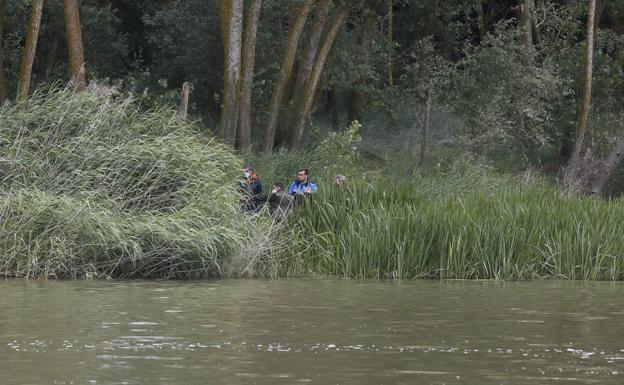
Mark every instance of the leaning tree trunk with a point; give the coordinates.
(74, 44)
(292, 41)
(309, 55)
(315, 77)
(249, 56)
(30, 47)
(586, 103)
(232, 13)
(613, 161)
(3, 81)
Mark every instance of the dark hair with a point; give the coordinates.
(278, 185)
(307, 172)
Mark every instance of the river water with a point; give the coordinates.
(311, 331)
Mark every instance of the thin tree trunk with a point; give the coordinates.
(315, 77)
(30, 47)
(184, 100)
(292, 41)
(586, 103)
(481, 18)
(332, 101)
(309, 56)
(526, 26)
(249, 57)
(356, 98)
(613, 161)
(425, 129)
(390, 69)
(74, 44)
(51, 58)
(431, 24)
(233, 12)
(3, 80)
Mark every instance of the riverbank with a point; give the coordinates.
(93, 186)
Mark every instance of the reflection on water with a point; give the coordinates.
(311, 331)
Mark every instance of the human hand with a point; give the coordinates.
(307, 190)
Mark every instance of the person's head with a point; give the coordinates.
(277, 187)
(340, 180)
(247, 170)
(303, 175)
(253, 177)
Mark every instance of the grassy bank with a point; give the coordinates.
(92, 186)
(480, 227)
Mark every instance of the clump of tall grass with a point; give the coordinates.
(93, 186)
(508, 231)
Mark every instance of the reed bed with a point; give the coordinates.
(507, 230)
(91, 185)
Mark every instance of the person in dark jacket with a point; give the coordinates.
(280, 202)
(251, 186)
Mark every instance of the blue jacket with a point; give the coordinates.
(297, 187)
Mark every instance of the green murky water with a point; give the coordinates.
(311, 331)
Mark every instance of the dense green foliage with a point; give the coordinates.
(464, 226)
(92, 186)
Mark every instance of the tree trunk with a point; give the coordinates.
(3, 80)
(526, 26)
(481, 18)
(586, 103)
(332, 102)
(356, 98)
(249, 57)
(292, 41)
(30, 47)
(51, 58)
(613, 161)
(390, 69)
(74, 44)
(184, 100)
(425, 129)
(232, 10)
(309, 56)
(315, 77)
(431, 23)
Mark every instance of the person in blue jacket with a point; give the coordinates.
(302, 184)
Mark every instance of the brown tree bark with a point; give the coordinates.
(338, 22)
(232, 10)
(613, 161)
(309, 56)
(389, 65)
(74, 44)
(586, 103)
(292, 41)
(481, 18)
(30, 47)
(249, 57)
(3, 80)
(184, 100)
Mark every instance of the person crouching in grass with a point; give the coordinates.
(302, 185)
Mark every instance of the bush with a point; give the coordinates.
(94, 186)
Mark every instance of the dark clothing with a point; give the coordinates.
(252, 199)
(280, 204)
